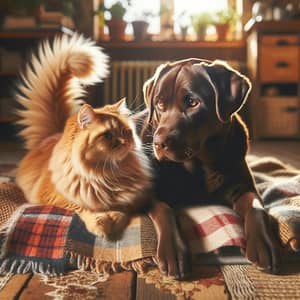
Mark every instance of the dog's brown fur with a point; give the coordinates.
(199, 144)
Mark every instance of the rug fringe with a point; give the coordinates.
(21, 266)
(104, 267)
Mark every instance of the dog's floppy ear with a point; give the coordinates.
(231, 88)
(148, 88)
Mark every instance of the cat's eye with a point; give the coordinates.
(107, 135)
(191, 102)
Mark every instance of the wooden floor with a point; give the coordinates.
(287, 151)
(126, 285)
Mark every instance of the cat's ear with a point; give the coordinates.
(86, 115)
(122, 106)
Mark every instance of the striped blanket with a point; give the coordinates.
(51, 240)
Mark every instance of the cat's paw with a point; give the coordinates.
(109, 225)
(119, 221)
(103, 225)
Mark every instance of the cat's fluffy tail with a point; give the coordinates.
(52, 84)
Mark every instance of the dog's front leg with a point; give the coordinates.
(262, 247)
(172, 254)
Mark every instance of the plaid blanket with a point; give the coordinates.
(51, 240)
(279, 185)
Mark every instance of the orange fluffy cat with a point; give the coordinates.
(91, 161)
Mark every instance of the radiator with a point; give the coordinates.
(126, 80)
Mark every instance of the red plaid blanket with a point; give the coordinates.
(41, 231)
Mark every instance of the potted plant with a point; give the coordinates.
(184, 22)
(116, 24)
(140, 25)
(223, 20)
(200, 23)
(140, 28)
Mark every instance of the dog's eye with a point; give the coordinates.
(190, 102)
(160, 105)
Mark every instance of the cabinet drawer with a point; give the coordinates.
(280, 40)
(280, 116)
(279, 64)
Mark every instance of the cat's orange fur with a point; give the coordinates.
(91, 161)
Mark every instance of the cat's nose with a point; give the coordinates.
(115, 143)
(127, 133)
(122, 141)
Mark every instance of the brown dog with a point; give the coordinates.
(199, 144)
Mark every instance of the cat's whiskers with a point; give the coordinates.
(111, 179)
(113, 166)
(134, 108)
(97, 165)
(106, 178)
(140, 122)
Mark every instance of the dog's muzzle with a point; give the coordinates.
(171, 147)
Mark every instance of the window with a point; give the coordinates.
(191, 7)
(138, 10)
(182, 11)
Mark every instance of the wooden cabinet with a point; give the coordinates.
(14, 49)
(273, 59)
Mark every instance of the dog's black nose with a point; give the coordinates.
(160, 145)
(165, 139)
(160, 140)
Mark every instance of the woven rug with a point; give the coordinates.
(75, 284)
(246, 282)
(207, 283)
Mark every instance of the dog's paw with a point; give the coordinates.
(173, 256)
(262, 247)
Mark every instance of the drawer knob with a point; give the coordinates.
(282, 64)
(282, 42)
(291, 109)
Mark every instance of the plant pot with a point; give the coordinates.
(183, 32)
(116, 30)
(222, 31)
(201, 33)
(140, 30)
